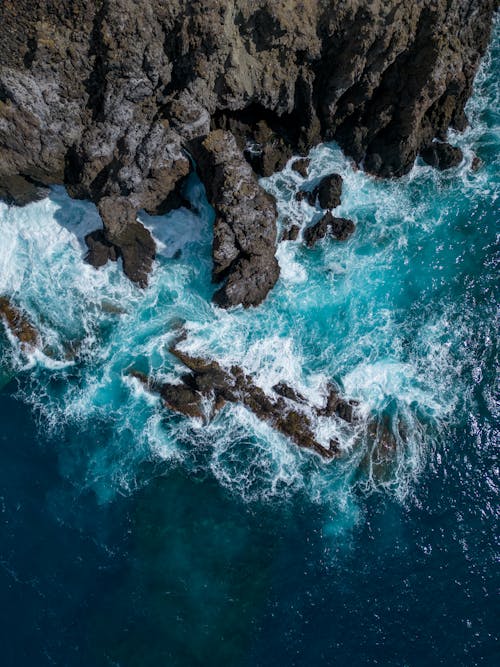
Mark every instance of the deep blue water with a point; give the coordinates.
(131, 536)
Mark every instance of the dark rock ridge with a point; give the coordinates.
(442, 155)
(18, 324)
(110, 97)
(288, 413)
(327, 193)
(244, 230)
(340, 228)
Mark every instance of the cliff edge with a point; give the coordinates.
(118, 99)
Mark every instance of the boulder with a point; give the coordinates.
(342, 228)
(329, 191)
(301, 166)
(290, 233)
(339, 228)
(18, 323)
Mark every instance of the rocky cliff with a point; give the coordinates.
(118, 99)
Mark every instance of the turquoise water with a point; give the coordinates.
(134, 536)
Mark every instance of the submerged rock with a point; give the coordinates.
(18, 324)
(380, 460)
(442, 155)
(301, 166)
(477, 163)
(245, 225)
(329, 191)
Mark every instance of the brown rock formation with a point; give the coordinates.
(18, 324)
(289, 413)
(107, 96)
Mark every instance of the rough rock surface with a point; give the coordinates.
(18, 324)
(329, 191)
(290, 233)
(289, 413)
(442, 155)
(244, 230)
(339, 228)
(107, 96)
(301, 166)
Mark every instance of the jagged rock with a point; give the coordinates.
(283, 389)
(340, 228)
(245, 226)
(442, 155)
(301, 166)
(477, 163)
(306, 195)
(329, 191)
(336, 405)
(132, 241)
(18, 191)
(18, 324)
(100, 250)
(209, 380)
(291, 233)
(317, 231)
(105, 97)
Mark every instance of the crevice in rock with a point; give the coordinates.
(95, 85)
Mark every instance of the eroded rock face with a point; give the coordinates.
(18, 324)
(106, 97)
(329, 191)
(442, 155)
(340, 228)
(288, 412)
(245, 225)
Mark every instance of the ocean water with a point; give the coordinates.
(134, 536)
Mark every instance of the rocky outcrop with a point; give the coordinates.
(442, 155)
(107, 97)
(288, 412)
(327, 193)
(18, 324)
(290, 233)
(340, 228)
(301, 166)
(244, 229)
